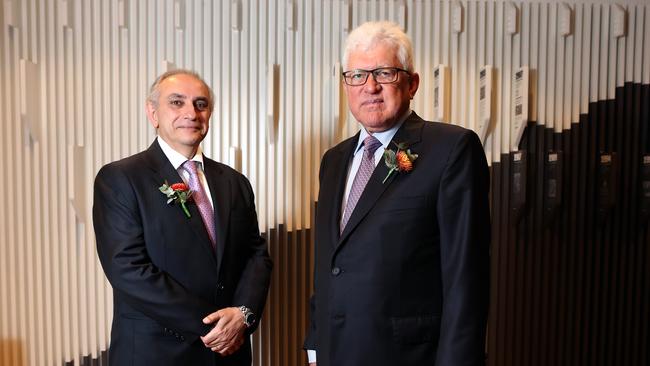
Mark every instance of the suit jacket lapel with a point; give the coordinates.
(220, 192)
(342, 158)
(410, 133)
(165, 172)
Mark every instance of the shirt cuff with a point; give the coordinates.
(311, 356)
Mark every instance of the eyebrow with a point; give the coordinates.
(176, 96)
(182, 96)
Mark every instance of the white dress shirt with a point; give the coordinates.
(177, 159)
(384, 137)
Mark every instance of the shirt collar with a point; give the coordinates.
(177, 159)
(384, 136)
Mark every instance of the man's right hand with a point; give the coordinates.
(312, 364)
(228, 333)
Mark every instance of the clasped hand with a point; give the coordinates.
(228, 333)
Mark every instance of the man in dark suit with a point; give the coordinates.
(190, 276)
(402, 242)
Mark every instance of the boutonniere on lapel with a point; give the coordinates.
(177, 193)
(400, 160)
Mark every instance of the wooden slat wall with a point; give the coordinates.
(78, 104)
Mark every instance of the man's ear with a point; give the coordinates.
(413, 84)
(152, 114)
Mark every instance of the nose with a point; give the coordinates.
(371, 85)
(190, 111)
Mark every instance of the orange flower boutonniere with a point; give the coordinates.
(400, 160)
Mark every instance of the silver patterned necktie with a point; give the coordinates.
(370, 145)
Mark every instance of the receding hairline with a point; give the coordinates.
(154, 90)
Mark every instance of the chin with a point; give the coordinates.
(378, 124)
(193, 141)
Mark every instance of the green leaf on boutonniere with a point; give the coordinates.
(398, 161)
(177, 192)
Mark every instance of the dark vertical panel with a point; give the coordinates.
(275, 296)
(507, 229)
(572, 175)
(286, 317)
(629, 300)
(290, 301)
(519, 244)
(574, 284)
(643, 240)
(583, 228)
(538, 277)
(553, 228)
(603, 274)
(532, 327)
(509, 239)
(545, 136)
(304, 275)
(596, 274)
(496, 337)
(589, 255)
(642, 354)
(508, 243)
(86, 361)
(645, 119)
(622, 242)
(283, 291)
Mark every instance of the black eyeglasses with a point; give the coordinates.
(382, 75)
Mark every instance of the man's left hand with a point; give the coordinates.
(228, 333)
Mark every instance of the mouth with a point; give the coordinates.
(372, 102)
(191, 128)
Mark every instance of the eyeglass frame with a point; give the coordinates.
(372, 72)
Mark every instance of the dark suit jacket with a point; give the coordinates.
(164, 273)
(406, 283)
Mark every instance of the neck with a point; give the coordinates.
(187, 151)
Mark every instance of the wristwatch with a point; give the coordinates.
(249, 317)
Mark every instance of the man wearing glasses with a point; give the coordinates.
(402, 225)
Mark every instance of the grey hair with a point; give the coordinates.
(370, 34)
(154, 90)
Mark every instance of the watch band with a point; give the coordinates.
(249, 317)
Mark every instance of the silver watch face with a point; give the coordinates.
(249, 318)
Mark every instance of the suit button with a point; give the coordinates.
(336, 271)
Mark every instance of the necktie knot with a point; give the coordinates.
(190, 166)
(371, 144)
